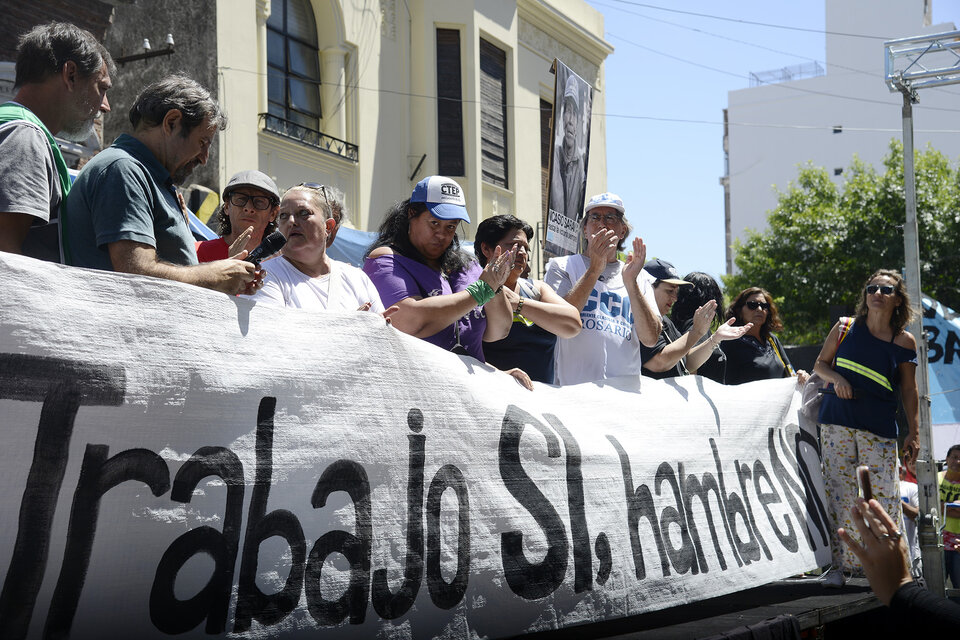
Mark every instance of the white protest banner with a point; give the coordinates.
(179, 462)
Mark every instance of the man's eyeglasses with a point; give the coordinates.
(885, 289)
(260, 203)
(607, 218)
(753, 305)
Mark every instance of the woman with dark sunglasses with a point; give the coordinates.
(867, 363)
(758, 354)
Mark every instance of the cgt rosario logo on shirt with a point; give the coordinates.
(608, 312)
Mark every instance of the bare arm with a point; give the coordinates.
(701, 353)
(499, 318)
(646, 322)
(673, 352)
(824, 365)
(910, 395)
(13, 231)
(228, 276)
(498, 311)
(423, 317)
(909, 511)
(550, 312)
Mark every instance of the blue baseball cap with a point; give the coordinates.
(663, 270)
(443, 197)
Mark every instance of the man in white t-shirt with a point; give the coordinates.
(910, 495)
(304, 276)
(616, 315)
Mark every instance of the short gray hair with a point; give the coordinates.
(42, 52)
(337, 203)
(176, 92)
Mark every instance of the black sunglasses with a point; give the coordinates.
(753, 305)
(885, 289)
(260, 203)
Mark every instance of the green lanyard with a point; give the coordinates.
(11, 111)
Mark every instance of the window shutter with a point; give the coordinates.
(493, 114)
(449, 104)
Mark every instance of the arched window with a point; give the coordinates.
(293, 63)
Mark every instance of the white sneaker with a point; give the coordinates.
(833, 579)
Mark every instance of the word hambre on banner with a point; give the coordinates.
(178, 462)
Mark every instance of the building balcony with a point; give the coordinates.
(310, 137)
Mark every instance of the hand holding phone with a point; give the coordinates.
(863, 481)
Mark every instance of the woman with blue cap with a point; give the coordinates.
(443, 295)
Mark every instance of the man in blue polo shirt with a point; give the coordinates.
(124, 213)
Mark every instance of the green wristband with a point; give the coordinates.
(481, 292)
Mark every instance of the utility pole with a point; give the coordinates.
(912, 64)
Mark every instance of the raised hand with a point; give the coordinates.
(602, 247)
(240, 243)
(635, 261)
(703, 316)
(727, 331)
(882, 549)
(499, 267)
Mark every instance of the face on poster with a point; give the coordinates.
(573, 99)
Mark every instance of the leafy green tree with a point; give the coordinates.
(824, 240)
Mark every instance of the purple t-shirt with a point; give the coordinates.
(397, 277)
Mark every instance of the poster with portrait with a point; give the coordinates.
(942, 325)
(570, 146)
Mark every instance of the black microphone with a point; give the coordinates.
(267, 247)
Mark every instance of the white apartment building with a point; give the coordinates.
(774, 128)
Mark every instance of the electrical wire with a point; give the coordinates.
(750, 22)
(628, 116)
(787, 86)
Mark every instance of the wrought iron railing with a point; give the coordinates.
(310, 137)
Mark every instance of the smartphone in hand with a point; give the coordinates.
(863, 481)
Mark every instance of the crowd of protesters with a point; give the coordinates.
(597, 314)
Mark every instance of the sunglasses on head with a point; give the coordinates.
(885, 289)
(753, 305)
(316, 186)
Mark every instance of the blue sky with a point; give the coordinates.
(666, 88)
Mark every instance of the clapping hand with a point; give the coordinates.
(499, 267)
(602, 247)
(727, 331)
(635, 260)
(703, 316)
